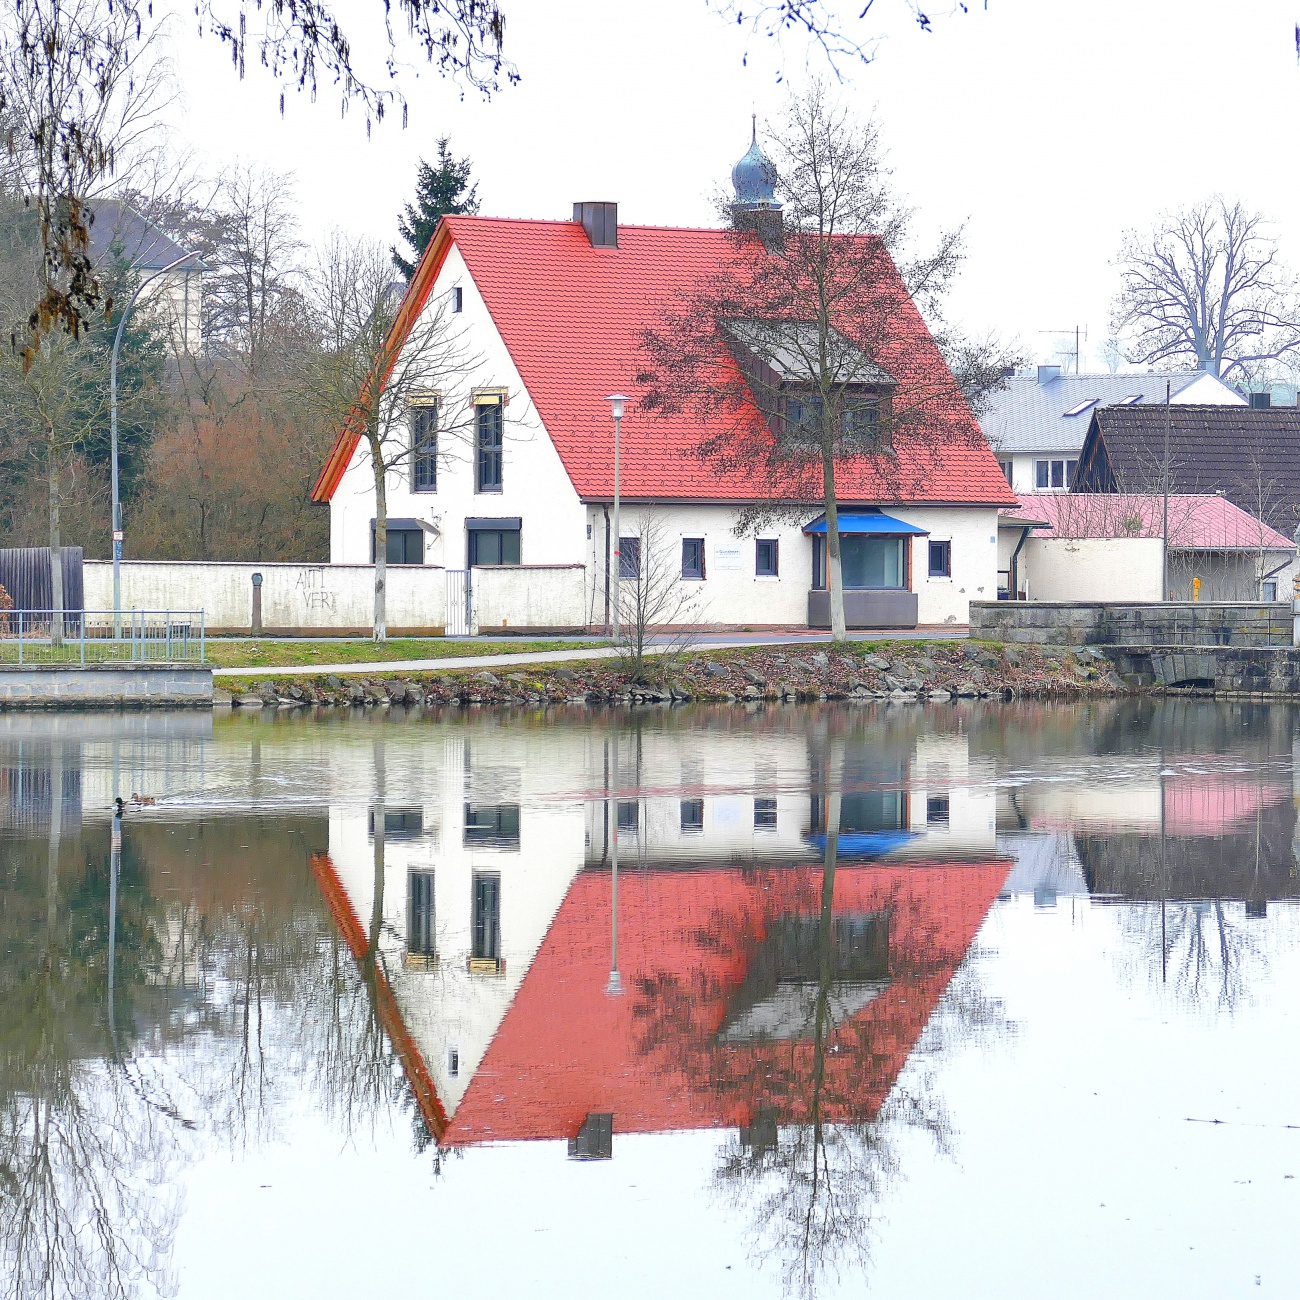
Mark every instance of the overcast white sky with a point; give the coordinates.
(1048, 125)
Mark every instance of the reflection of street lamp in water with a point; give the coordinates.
(114, 867)
(615, 985)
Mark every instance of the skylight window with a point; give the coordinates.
(1083, 406)
(1131, 400)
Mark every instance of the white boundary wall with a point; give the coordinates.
(1093, 568)
(295, 597)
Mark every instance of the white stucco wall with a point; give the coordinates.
(324, 597)
(529, 596)
(535, 485)
(1092, 568)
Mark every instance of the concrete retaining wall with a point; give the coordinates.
(1132, 623)
(105, 686)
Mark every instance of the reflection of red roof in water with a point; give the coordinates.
(653, 1058)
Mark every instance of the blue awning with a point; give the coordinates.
(863, 844)
(880, 525)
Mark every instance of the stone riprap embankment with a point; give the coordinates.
(935, 671)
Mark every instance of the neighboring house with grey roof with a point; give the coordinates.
(173, 292)
(1036, 425)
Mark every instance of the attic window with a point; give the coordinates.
(457, 299)
(1083, 406)
(1131, 400)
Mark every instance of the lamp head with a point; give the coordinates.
(616, 401)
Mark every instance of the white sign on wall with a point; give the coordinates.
(728, 557)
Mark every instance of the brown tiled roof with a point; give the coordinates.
(1250, 456)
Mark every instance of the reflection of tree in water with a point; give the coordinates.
(1209, 953)
(805, 1059)
(230, 1001)
(88, 1142)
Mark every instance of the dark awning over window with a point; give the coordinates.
(880, 525)
(494, 525)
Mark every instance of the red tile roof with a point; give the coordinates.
(1196, 521)
(653, 1057)
(572, 317)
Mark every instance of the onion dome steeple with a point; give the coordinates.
(754, 177)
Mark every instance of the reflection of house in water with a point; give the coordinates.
(1194, 800)
(490, 909)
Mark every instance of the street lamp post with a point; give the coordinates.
(112, 435)
(616, 401)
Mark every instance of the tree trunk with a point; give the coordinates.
(381, 540)
(834, 570)
(56, 555)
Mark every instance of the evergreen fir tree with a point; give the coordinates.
(441, 190)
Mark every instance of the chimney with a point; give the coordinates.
(1048, 374)
(1261, 401)
(600, 221)
(1210, 366)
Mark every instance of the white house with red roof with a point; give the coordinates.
(553, 313)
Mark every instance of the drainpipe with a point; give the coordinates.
(605, 509)
(1015, 568)
(1295, 612)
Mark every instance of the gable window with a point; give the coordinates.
(1008, 471)
(405, 542)
(424, 445)
(766, 556)
(421, 933)
(941, 559)
(488, 428)
(458, 299)
(693, 558)
(493, 541)
(629, 558)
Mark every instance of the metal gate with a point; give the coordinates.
(460, 603)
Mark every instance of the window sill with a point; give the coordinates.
(487, 492)
(939, 577)
(767, 577)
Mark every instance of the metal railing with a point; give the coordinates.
(99, 636)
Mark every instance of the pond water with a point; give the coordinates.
(885, 1000)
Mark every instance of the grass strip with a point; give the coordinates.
(310, 654)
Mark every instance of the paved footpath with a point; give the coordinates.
(715, 641)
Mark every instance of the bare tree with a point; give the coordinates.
(63, 64)
(385, 377)
(1205, 288)
(805, 354)
(80, 86)
(653, 600)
